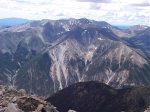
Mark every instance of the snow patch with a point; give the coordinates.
(100, 39)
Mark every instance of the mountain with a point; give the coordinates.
(6, 22)
(123, 26)
(98, 97)
(45, 56)
(142, 41)
(117, 64)
(129, 32)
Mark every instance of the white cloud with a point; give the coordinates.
(113, 11)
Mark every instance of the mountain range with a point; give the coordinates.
(45, 56)
(7, 22)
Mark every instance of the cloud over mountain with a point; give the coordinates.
(120, 11)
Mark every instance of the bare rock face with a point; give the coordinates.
(15, 101)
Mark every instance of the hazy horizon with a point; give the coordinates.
(29, 20)
(129, 12)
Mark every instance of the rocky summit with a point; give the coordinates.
(12, 100)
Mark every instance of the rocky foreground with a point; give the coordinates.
(12, 100)
(80, 97)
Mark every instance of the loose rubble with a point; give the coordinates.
(148, 109)
(72, 111)
(12, 100)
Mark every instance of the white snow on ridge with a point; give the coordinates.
(100, 39)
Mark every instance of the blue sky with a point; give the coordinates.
(112, 11)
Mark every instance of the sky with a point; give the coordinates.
(120, 12)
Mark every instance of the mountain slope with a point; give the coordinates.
(98, 97)
(116, 64)
(20, 44)
(142, 41)
(83, 55)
